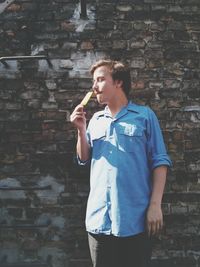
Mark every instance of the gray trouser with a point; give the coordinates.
(111, 251)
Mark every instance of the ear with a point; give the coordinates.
(119, 83)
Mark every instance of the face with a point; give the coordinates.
(103, 85)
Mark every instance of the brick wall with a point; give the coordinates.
(43, 192)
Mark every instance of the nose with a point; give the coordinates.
(94, 86)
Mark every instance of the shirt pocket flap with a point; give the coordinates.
(129, 136)
(130, 130)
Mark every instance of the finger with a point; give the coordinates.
(154, 228)
(160, 223)
(77, 118)
(78, 114)
(78, 108)
(149, 229)
(158, 227)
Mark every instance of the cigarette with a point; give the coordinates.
(86, 98)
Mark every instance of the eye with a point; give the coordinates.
(100, 79)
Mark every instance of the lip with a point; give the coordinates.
(98, 93)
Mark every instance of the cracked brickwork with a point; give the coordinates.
(43, 192)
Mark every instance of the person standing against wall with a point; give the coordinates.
(125, 147)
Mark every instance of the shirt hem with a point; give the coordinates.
(99, 232)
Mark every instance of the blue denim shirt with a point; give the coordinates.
(124, 151)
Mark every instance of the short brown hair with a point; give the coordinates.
(119, 71)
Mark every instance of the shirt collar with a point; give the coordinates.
(133, 107)
(129, 107)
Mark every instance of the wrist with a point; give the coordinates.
(82, 132)
(155, 203)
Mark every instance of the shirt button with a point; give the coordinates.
(110, 152)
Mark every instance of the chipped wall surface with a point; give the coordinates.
(43, 192)
(4, 5)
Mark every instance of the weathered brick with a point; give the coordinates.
(124, 8)
(119, 44)
(159, 39)
(138, 63)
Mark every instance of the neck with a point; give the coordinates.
(117, 105)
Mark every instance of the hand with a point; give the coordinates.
(78, 118)
(154, 219)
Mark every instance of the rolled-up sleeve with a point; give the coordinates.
(156, 147)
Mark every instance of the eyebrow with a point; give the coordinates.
(100, 76)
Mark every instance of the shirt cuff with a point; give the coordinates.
(82, 162)
(159, 160)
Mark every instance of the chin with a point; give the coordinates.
(102, 102)
(99, 99)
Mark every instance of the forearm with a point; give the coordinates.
(79, 121)
(158, 184)
(83, 148)
(154, 212)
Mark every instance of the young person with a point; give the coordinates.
(128, 158)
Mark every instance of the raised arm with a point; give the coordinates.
(79, 121)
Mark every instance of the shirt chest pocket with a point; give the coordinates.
(98, 143)
(128, 139)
